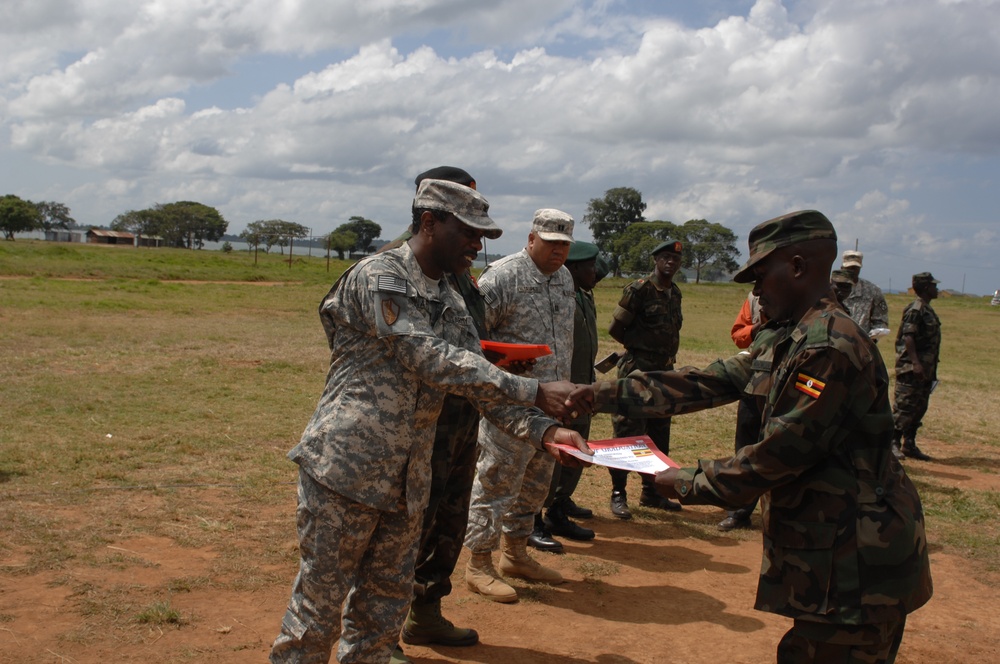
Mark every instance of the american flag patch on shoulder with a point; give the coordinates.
(390, 283)
(809, 385)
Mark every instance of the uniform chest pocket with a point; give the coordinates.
(456, 327)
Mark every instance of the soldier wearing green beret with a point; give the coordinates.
(647, 322)
(918, 344)
(845, 551)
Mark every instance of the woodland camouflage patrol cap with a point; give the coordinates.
(783, 231)
(841, 277)
(924, 279)
(468, 205)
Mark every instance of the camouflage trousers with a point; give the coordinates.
(910, 405)
(819, 643)
(453, 467)
(512, 480)
(356, 572)
(657, 428)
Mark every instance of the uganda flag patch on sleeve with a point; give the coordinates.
(808, 385)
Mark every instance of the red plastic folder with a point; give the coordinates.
(515, 352)
(638, 453)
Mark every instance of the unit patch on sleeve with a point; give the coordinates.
(808, 385)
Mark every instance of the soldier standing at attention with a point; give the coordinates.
(866, 304)
(529, 300)
(400, 338)
(918, 345)
(845, 551)
(647, 321)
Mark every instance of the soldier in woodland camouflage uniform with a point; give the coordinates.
(866, 303)
(647, 321)
(400, 337)
(918, 345)
(845, 552)
(529, 300)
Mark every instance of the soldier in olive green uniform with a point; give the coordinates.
(845, 551)
(918, 344)
(647, 321)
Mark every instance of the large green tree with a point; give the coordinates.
(189, 224)
(18, 216)
(341, 241)
(366, 231)
(635, 245)
(709, 249)
(54, 215)
(609, 217)
(139, 222)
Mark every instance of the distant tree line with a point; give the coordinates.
(18, 215)
(184, 224)
(626, 238)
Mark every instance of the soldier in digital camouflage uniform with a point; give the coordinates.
(529, 300)
(845, 552)
(587, 268)
(453, 465)
(918, 345)
(866, 303)
(647, 322)
(400, 337)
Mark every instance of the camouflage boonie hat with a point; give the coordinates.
(841, 277)
(670, 245)
(924, 279)
(581, 251)
(783, 231)
(852, 259)
(468, 205)
(552, 225)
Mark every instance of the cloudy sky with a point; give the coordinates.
(880, 113)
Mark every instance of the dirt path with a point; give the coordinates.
(661, 588)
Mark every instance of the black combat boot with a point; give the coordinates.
(541, 537)
(911, 451)
(561, 525)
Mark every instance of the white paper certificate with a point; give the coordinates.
(637, 453)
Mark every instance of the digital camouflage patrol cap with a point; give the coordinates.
(924, 279)
(852, 259)
(552, 225)
(672, 246)
(468, 205)
(783, 231)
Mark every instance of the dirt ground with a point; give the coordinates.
(660, 588)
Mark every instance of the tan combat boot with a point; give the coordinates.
(481, 578)
(515, 561)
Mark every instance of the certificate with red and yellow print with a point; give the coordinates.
(638, 453)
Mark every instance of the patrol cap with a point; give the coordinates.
(783, 231)
(841, 277)
(852, 259)
(450, 173)
(924, 279)
(581, 251)
(672, 246)
(552, 225)
(467, 204)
